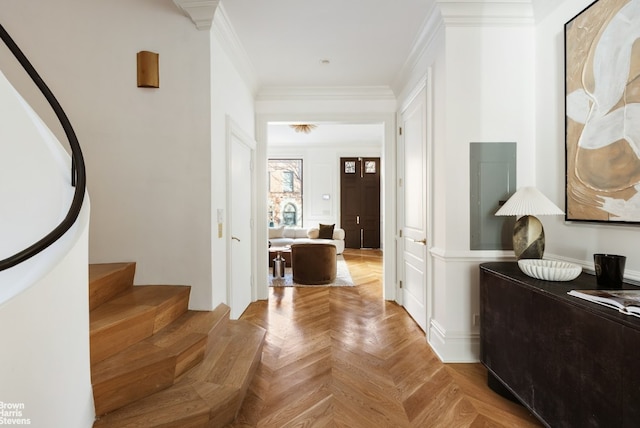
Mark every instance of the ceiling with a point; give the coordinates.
(366, 42)
(328, 43)
(332, 43)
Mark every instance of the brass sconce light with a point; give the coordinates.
(148, 76)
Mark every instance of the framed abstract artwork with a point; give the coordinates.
(602, 113)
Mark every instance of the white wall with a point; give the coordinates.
(44, 309)
(152, 161)
(36, 173)
(148, 151)
(44, 363)
(498, 83)
(489, 70)
(231, 96)
(490, 98)
(482, 91)
(576, 242)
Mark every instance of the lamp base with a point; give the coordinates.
(528, 238)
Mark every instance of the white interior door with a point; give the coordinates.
(240, 227)
(412, 244)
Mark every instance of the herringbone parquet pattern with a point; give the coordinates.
(344, 357)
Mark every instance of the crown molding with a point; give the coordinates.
(290, 93)
(201, 12)
(373, 147)
(224, 32)
(429, 30)
(486, 12)
(460, 13)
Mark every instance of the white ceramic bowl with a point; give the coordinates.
(549, 270)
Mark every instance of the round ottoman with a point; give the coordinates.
(313, 264)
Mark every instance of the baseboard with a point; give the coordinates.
(454, 347)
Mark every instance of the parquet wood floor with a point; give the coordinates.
(344, 357)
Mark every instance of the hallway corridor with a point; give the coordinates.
(344, 357)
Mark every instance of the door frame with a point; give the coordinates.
(233, 130)
(387, 192)
(426, 83)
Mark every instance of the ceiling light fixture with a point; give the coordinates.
(303, 127)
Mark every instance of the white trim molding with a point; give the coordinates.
(454, 347)
(225, 33)
(472, 256)
(340, 93)
(486, 12)
(201, 12)
(424, 41)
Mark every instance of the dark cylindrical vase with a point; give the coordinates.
(609, 270)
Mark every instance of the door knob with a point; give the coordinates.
(235, 239)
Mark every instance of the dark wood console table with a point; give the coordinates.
(571, 362)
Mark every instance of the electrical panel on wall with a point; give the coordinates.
(492, 181)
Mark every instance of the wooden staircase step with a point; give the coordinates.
(190, 335)
(154, 364)
(138, 372)
(133, 316)
(195, 322)
(180, 406)
(107, 280)
(170, 301)
(208, 395)
(114, 328)
(235, 356)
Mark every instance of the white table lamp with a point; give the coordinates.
(528, 233)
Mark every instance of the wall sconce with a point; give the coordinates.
(148, 75)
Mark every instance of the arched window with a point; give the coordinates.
(289, 214)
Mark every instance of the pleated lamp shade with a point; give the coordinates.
(528, 233)
(529, 201)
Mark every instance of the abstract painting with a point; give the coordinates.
(602, 124)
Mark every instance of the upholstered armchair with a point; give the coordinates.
(313, 264)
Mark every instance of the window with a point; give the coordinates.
(285, 192)
(289, 215)
(287, 181)
(370, 167)
(350, 167)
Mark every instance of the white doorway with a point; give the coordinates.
(270, 147)
(412, 191)
(240, 231)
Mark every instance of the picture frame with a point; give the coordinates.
(602, 113)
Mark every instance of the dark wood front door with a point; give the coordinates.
(360, 201)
